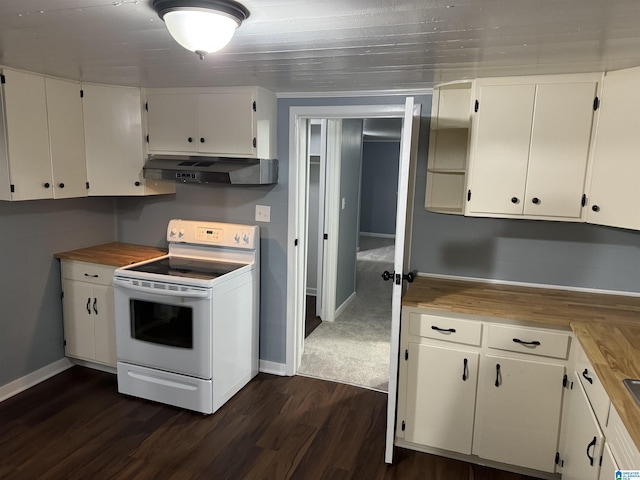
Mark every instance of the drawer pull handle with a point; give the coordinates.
(591, 444)
(92, 276)
(586, 376)
(535, 343)
(95, 305)
(89, 305)
(497, 374)
(464, 370)
(444, 330)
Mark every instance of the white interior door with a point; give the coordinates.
(331, 218)
(404, 212)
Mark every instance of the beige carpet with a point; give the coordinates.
(355, 348)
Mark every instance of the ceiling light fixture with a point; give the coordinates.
(202, 26)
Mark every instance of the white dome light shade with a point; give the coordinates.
(202, 26)
(200, 31)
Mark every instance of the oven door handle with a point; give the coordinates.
(167, 293)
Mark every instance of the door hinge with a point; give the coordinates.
(3, 79)
(583, 202)
(64, 343)
(147, 138)
(81, 93)
(325, 236)
(13, 188)
(404, 426)
(476, 106)
(406, 354)
(596, 104)
(558, 460)
(565, 380)
(255, 107)
(146, 106)
(87, 185)
(468, 195)
(295, 242)
(255, 143)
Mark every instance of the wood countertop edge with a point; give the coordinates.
(114, 254)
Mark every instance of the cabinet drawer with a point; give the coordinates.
(528, 340)
(87, 272)
(444, 328)
(592, 386)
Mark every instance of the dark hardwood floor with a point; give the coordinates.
(76, 426)
(311, 322)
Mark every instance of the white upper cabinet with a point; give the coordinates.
(530, 147)
(66, 132)
(114, 142)
(225, 122)
(615, 175)
(42, 142)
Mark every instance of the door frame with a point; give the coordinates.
(297, 211)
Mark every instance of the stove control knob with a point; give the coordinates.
(174, 232)
(245, 239)
(236, 238)
(181, 232)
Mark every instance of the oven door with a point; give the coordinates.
(163, 326)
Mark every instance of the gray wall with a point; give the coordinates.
(350, 166)
(31, 232)
(379, 192)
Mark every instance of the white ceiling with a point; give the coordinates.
(325, 45)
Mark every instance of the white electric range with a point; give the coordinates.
(187, 324)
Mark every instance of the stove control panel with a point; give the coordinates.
(213, 233)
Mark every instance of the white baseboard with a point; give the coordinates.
(380, 235)
(33, 378)
(273, 368)
(344, 305)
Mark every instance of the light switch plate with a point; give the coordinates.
(263, 213)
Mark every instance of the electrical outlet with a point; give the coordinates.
(263, 213)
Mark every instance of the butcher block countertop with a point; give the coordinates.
(115, 254)
(607, 326)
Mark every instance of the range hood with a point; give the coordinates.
(232, 171)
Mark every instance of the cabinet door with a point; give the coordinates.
(79, 331)
(518, 412)
(66, 136)
(560, 140)
(27, 135)
(441, 390)
(582, 442)
(113, 140)
(225, 124)
(102, 308)
(500, 155)
(613, 194)
(608, 465)
(171, 122)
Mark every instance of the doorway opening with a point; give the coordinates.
(347, 339)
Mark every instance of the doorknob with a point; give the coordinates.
(409, 277)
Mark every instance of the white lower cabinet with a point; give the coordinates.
(518, 411)
(441, 396)
(88, 312)
(581, 454)
(466, 392)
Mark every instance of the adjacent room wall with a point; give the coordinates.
(379, 187)
(31, 332)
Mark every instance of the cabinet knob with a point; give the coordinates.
(514, 199)
(47, 185)
(61, 185)
(535, 200)
(137, 184)
(201, 139)
(595, 208)
(190, 139)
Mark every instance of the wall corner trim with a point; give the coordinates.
(33, 378)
